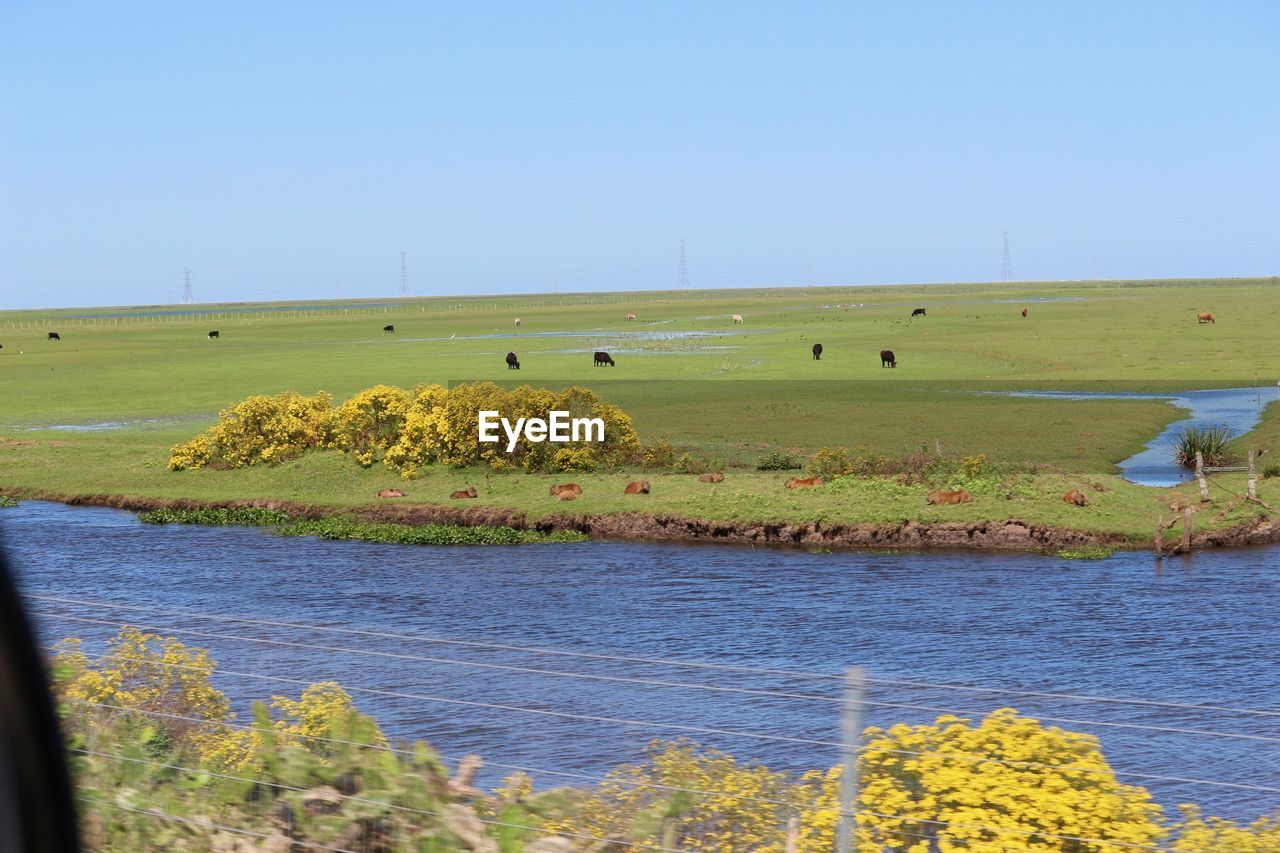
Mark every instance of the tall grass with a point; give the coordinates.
(1209, 442)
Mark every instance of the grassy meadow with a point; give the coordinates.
(97, 411)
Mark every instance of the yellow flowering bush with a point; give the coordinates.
(265, 428)
(1008, 781)
(370, 422)
(409, 429)
(744, 807)
(1198, 834)
(308, 720)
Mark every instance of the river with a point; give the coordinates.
(1190, 631)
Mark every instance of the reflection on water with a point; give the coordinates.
(1195, 631)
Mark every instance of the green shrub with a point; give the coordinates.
(1209, 442)
(427, 534)
(5, 500)
(777, 461)
(254, 515)
(1272, 470)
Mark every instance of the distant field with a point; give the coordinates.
(684, 371)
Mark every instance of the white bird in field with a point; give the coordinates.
(451, 337)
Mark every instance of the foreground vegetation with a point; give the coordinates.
(160, 762)
(721, 397)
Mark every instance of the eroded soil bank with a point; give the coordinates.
(1003, 535)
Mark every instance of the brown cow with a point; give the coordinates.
(957, 497)
(1024, 312)
(1204, 317)
(390, 493)
(639, 487)
(567, 496)
(714, 477)
(1075, 496)
(572, 488)
(803, 482)
(629, 317)
(468, 492)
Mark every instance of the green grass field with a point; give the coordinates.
(684, 372)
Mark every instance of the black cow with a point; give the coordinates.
(919, 312)
(887, 359)
(388, 329)
(513, 363)
(603, 358)
(817, 351)
(213, 336)
(54, 336)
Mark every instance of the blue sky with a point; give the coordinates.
(292, 151)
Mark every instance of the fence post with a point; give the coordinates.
(1253, 476)
(851, 738)
(1204, 484)
(669, 834)
(793, 834)
(1186, 530)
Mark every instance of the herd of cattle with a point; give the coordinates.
(887, 358)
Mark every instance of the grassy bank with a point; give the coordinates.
(133, 384)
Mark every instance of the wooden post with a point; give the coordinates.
(1253, 476)
(851, 746)
(1186, 530)
(669, 834)
(1159, 535)
(1204, 484)
(793, 834)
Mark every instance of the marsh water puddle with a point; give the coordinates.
(1239, 409)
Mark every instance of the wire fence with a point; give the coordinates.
(386, 671)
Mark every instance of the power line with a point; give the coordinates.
(662, 683)
(404, 274)
(187, 298)
(1006, 263)
(683, 282)
(389, 635)
(969, 757)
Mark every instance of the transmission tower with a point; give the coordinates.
(187, 298)
(684, 269)
(404, 275)
(1006, 265)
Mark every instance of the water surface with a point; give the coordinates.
(1194, 631)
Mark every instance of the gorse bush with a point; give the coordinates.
(148, 733)
(266, 429)
(1210, 442)
(409, 430)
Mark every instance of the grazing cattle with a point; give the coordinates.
(573, 488)
(817, 352)
(567, 496)
(517, 322)
(714, 477)
(213, 336)
(629, 317)
(919, 312)
(957, 497)
(737, 319)
(1204, 317)
(1024, 312)
(603, 358)
(54, 336)
(638, 487)
(1075, 496)
(388, 329)
(468, 492)
(803, 482)
(887, 358)
(390, 493)
(513, 363)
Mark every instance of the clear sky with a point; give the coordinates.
(292, 151)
